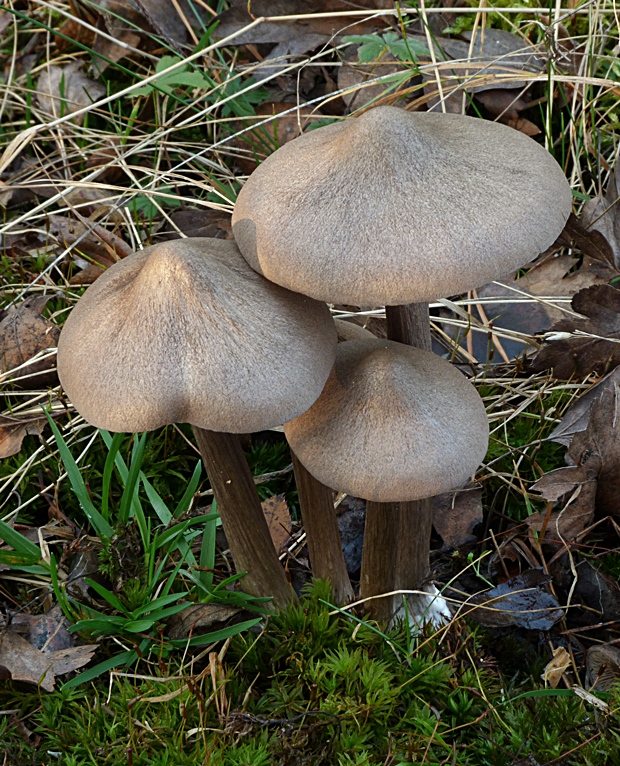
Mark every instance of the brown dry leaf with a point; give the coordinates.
(202, 222)
(278, 519)
(577, 347)
(75, 31)
(47, 632)
(602, 667)
(518, 601)
(353, 75)
(63, 90)
(455, 514)
(601, 442)
(602, 213)
(200, 618)
(21, 661)
(5, 20)
(24, 332)
(575, 489)
(13, 432)
(243, 13)
(555, 669)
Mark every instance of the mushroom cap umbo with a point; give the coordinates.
(394, 423)
(185, 331)
(397, 207)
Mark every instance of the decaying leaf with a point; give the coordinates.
(519, 601)
(21, 661)
(24, 332)
(242, 13)
(47, 632)
(579, 346)
(202, 222)
(556, 668)
(455, 514)
(602, 213)
(602, 667)
(201, 618)
(13, 431)
(64, 90)
(278, 519)
(574, 488)
(353, 75)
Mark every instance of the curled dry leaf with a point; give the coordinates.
(202, 222)
(602, 213)
(64, 90)
(201, 618)
(575, 489)
(519, 601)
(13, 431)
(455, 514)
(580, 346)
(278, 519)
(556, 668)
(602, 667)
(21, 661)
(24, 332)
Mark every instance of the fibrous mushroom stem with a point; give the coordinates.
(316, 502)
(411, 325)
(379, 559)
(242, 516)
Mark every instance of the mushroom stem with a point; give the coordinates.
(316, 502)
(381, 532)
(242, 516)
(401, 532)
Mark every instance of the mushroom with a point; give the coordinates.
(185, 331)
(397, 208)
(394, 424)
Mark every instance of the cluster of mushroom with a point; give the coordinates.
(390, 208)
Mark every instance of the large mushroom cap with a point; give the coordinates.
(397, 207)
(185, 331)
(394, 423)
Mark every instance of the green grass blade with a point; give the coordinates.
(124, 658)
(99, 524)
(186, 501)
(217, 635)
(114, 447)
(19, 543)
(112, 600)
(131, 484)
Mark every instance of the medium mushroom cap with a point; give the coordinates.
(394, 423)
(185, 331)
(397, 207)
(351, 331)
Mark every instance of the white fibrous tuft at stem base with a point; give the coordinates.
(425, 607)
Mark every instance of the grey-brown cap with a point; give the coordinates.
(185, 331)
(351, 331)
(397, 207)
(394, 423)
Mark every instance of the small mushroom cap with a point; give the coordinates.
(351, 331)
(394, 423)
(397, 207)
(185, 331)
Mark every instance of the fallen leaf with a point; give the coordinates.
(47, 632)
(278, 519)
(5, 20)
(21, 661)
(243, 13)
(455, 514)
(202, 222)
(598, 592)
(575, 489)
(602, 667)
(602, 213)
(200, 618)
(577, 416)
(519, 601)
(13, 431)
(555, 669)
(353, 75)
(580, 346)
(24, 332)
(64, 90)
